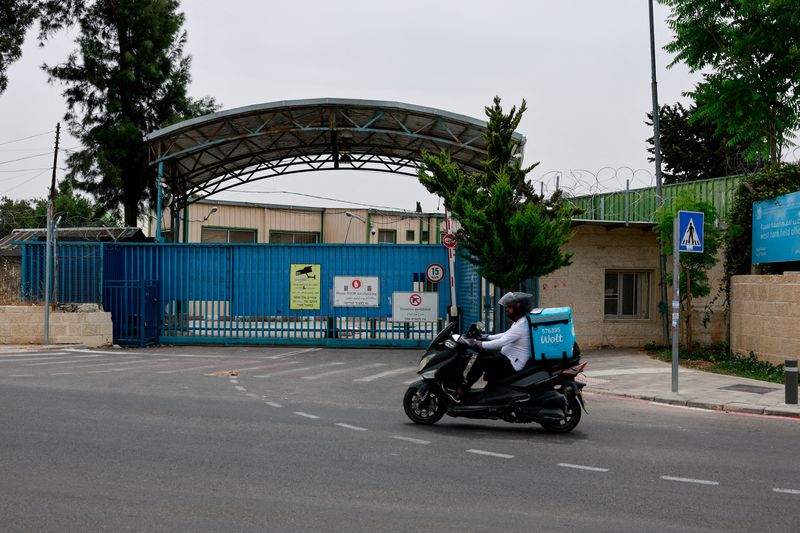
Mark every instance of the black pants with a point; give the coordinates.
(494, 364)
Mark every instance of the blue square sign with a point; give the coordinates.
(690, 231)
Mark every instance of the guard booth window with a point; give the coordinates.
(627, 294)
(293, 237)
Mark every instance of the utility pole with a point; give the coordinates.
(49, 231)
(657, 152)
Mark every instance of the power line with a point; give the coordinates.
(322, 198)
(26, 138)
(26, 157)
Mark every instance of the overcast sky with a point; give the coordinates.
(582, 65)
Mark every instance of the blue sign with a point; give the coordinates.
(776, 229)
(690, 231)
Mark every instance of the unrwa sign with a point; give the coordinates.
(776, 229)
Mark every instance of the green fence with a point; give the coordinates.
(639, 205)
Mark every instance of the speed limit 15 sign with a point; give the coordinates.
(434, 273)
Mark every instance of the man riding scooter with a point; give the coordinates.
(504, 353)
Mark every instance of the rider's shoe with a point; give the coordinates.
(455, 396)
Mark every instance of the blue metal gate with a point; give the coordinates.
(244, 293)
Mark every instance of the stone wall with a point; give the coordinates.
(10, 268)
(24, 324)
(765, 316)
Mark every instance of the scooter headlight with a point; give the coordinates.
(424, 362)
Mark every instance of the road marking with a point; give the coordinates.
(387, 373)
(273, 404)
(409, 439)
(156, 354)
(491, 454)
(332, 372)
(786, 491)
(348, 426)
(126, 360)
(307, 415)
(47, 357)
(690, 480)
(190, 369)
(20, 375)
(61, 360)
(141, 361)
(253, 396)
(234, 381)
(118, 369)
(271, 365)
(294, 352)
(582, 467)
(29, 354)
(240, 388)
(282, 372)
(62, 373)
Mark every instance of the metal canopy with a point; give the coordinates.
(216, 152)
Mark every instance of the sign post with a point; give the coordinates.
(449, 241)
(687, 236)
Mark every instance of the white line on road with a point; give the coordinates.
(387, 373)
(253, 396)
(141, 361)
(348, 426)
(62, 373)
(273, 404)
(409, 439)
(270, 365)
(294, 352)
(307, 415)
(43, 356)
(582, 467)
(154, 354)
(70, 361)
(60, 360)
(240, 388)
(282, 372)
(786, 491)
(491, 454)
(191, 368)
(20, 375)
(332, 372)
(690, 480)
(120, 369)
(234, 381)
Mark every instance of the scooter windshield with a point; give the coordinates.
(444, 334)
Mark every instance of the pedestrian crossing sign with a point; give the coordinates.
(690, 231)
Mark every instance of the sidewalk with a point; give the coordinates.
(631, 373)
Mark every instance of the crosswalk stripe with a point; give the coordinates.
(282, 372)
(333, 372)
(387, 373)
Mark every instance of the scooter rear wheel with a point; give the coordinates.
(570, 420)
(427, 410)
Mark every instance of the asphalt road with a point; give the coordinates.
(306, 439)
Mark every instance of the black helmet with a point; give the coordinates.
(521, 302)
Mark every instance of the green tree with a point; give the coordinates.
(750, 51)
(694, 266)
(128, 76)
(691, 149)
(15, 214)
(507, 231)
(15, 18)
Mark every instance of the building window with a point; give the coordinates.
(425, 237)
(387, 236)
(409, 235)
(293, 237)
(215, 234)
(627, 294)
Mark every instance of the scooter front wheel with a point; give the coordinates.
(427, 408)
(572, 415)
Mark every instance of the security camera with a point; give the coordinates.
(373, 231)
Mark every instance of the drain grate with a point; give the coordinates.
(754, 389)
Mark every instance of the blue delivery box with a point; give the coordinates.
(552, 333)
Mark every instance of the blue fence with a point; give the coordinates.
(244, 293)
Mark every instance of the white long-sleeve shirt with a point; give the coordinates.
(514, 343)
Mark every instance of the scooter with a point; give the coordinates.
(543, 392)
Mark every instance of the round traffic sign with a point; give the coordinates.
(449, 240)
(415, 299)
(434, 273)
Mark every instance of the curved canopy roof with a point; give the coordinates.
(216, 152)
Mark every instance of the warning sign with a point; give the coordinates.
(415, 306)
(304, 287)
(356, 291)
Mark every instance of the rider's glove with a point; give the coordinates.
(473, 342)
